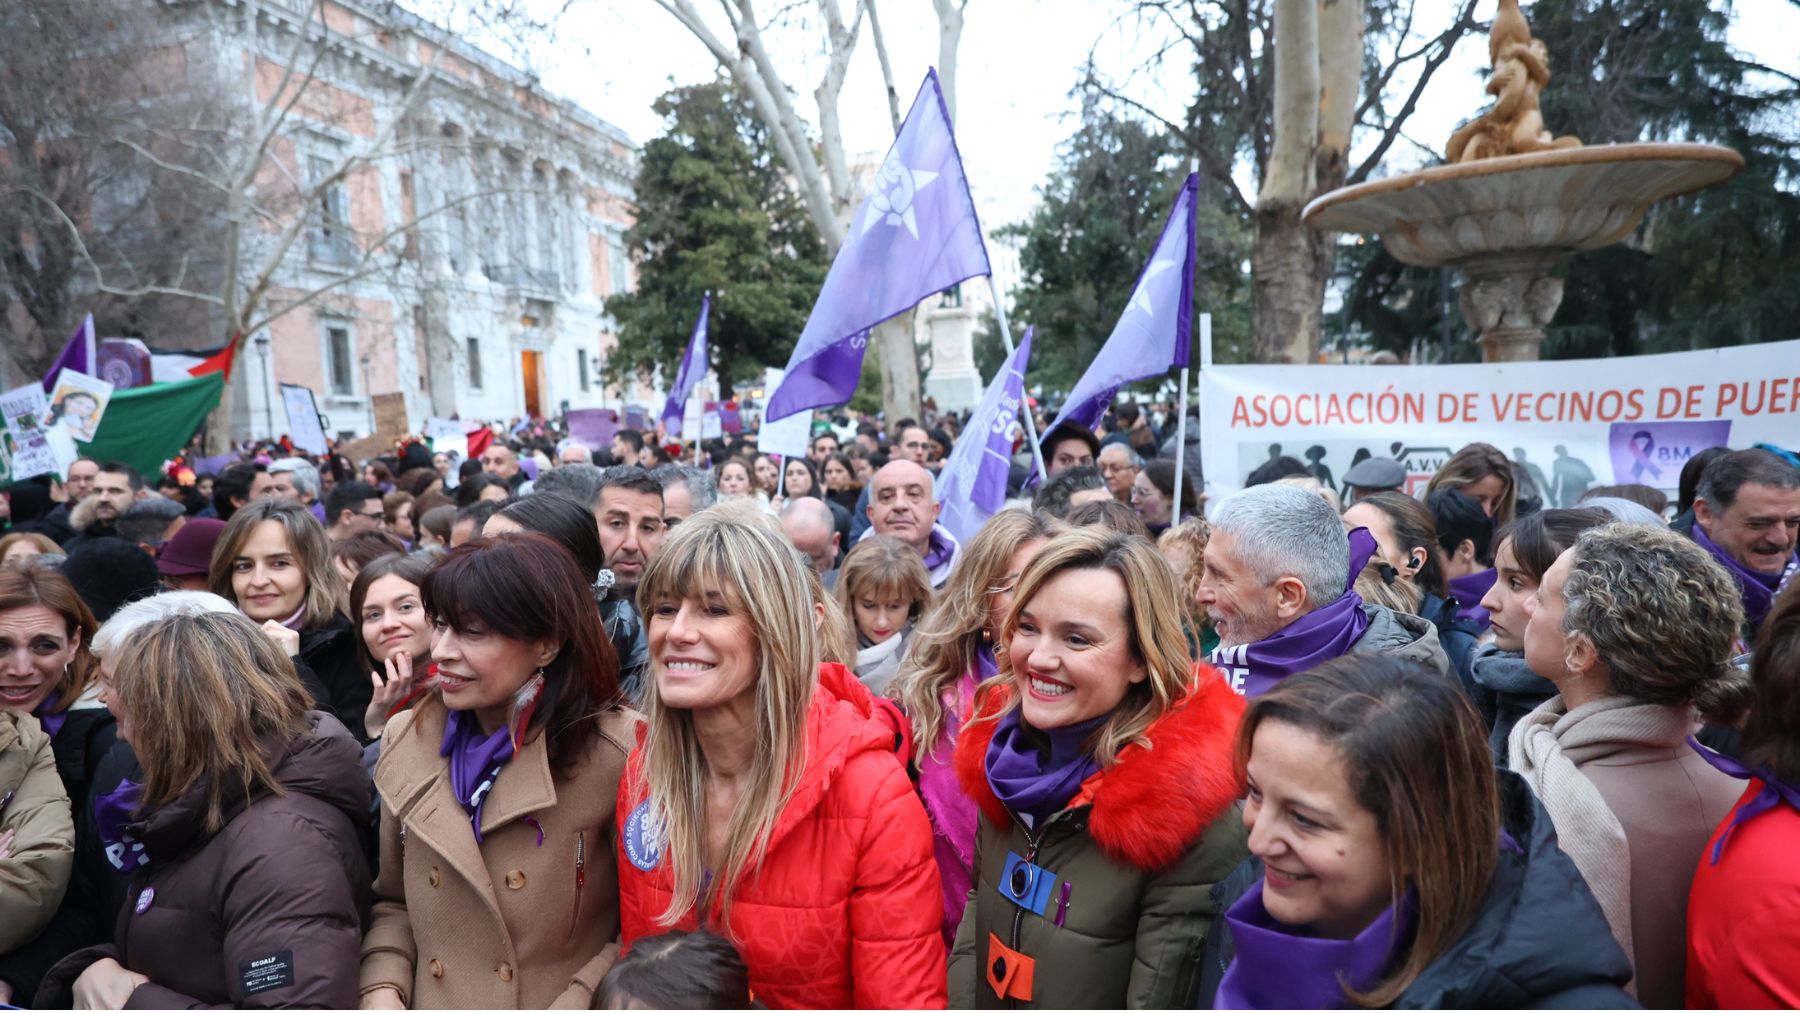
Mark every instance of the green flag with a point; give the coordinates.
(145, 426)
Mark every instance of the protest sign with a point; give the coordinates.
(390, 415)
(1566, 425)
(77, 403)
(303, 419)
(712, 423)
(593, 428)
(36, 449)
(786, 437)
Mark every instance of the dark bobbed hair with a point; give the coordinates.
(1772, 733)
(526, 587)
(365, 547)
(1537, 539)
(1161, 473)
(1459, 518)
(410, 567)
(566, 522)
(1415, 755)
(1273, 471)
(1414, 527)
(818, 484)
(469, 490)
(678, 970)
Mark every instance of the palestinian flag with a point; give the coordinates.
(128, 363)
(146, 426)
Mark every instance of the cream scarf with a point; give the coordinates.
(1586, 829)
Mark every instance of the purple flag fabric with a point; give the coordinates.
(693, 367)
(78, 354)
(1155, 331)
(973, 484)
(593, 428)
(916, 234)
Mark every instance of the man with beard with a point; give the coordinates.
(1747, 514)
(116, 486)
(629, 511)
(1277, 587)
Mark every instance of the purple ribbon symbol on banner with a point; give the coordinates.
(1640, 453)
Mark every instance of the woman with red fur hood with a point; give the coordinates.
(767, 798)
(1102, 764)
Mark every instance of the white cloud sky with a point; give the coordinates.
(1019, 63)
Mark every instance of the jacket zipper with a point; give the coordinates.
(580, 880)
(1018, 924)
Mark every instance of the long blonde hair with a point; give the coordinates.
(882, 566)
(736, 555)
(326, 595)
(1152, 620)
(208, 696)
(946, 639)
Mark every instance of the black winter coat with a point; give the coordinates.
(1539, 940)
(266, 912)
(1458, 636)
(332, 653)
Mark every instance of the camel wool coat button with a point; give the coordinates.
(515, 880)
(437, 969)
(505, 972)
(437, 878)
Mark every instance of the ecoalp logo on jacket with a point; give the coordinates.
(642, 838)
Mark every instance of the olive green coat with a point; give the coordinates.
(1135, 855)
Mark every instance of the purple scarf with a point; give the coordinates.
(1312, 639)
(112, 816)
(1037, 772)
(1468, 590)
(52, 722)
(1276, 967)
(1774, 792)
(1759, 588)
(475, 762)
(939, 550)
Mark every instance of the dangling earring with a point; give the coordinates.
(987, 637)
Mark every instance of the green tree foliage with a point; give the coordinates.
(1103, 206)
(1709, 269)
(715, 213)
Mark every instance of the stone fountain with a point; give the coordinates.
(1512, 200)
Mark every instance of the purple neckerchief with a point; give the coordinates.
(1279, 967)
(1468, 590)
(1312, 639)
(1038, 772)
(113, 812)
(1774, 792)
(938, 550)
(52, 722)
(475, 762)
(1759, 588)
(318, 511)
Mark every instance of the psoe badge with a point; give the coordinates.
(642, 839)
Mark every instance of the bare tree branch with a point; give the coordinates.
(887, 68)
(1446, 43)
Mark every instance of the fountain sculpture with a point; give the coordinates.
(1513, 200)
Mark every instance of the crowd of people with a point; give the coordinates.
(578, 727)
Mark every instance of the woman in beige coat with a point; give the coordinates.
(37, 836)
(498, 885)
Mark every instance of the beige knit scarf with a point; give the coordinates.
(1586, 829)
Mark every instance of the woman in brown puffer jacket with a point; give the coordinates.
(37, 837)
(253, 885)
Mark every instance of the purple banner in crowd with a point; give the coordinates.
(78, 354)
(973, 485)
(214, 465)
(593, 428)
(1652, 453)
(729, 418)
(693, 367)
(634, 419)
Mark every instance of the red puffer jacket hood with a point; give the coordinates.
(1152, 803)
(844, 910)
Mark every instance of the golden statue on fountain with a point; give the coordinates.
(1513, 124)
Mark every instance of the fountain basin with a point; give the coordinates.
(1545, 202)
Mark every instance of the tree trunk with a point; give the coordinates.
(1289, 264)
(899, 368)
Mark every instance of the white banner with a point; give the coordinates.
(303, 419)
(1568, 425)
(786, 437)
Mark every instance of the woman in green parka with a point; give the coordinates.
(1102, 764)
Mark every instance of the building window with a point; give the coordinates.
(340, 361)
(330, 240)
(474, 363)
(618, 260)
(581, 362)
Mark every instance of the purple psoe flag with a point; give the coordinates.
(914, 236)
(973, 485)
(1154, 332)
(78, 354)
(693, 367)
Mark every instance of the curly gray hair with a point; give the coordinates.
(1662, 613)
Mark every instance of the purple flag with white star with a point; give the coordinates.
(914, 236)
(78, 354)
(972, 487)
(1155, 331)
(693, 367)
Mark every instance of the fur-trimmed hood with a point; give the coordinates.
(1151, 805)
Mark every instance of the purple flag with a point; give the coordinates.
(1155, 331)
(915, 235)
(593, 428)
(693, 367)
(973, 485)
(78, 354)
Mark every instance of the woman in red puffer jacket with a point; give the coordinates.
(768, 803)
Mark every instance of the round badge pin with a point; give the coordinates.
(145, 899)
(643, 845)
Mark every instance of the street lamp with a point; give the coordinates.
(262, 349)
(367, 393)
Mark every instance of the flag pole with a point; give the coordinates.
(1031, 437)
(1181, 419)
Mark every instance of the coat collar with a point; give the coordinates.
(1151, 805)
